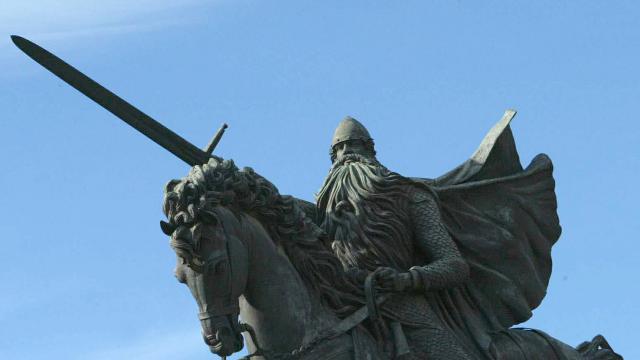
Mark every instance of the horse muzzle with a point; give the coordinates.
(222, 335)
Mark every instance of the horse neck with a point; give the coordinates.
(276, 302)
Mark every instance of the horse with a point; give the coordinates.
(247, 252)
(233, 266)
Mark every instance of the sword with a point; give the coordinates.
(140, 121)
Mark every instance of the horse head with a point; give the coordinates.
(217, 217)
(212, 260)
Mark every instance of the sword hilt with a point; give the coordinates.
(216, 139)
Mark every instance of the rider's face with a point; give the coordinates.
(351, 147)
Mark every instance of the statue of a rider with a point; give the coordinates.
(461, 258)
(465, 255)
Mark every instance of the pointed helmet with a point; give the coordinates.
(350, 129)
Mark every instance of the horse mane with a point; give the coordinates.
(221, 183)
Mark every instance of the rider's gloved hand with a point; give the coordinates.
(392, 280)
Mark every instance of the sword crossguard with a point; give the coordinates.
(216, 139)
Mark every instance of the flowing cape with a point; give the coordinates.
(504, 220)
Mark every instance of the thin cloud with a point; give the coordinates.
(59, 20)
(109, 30)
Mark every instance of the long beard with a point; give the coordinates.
(363, 208)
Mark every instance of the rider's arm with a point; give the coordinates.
(445, 267)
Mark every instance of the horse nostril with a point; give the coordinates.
(210, 339)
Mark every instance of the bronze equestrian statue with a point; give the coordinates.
(382, 267)
(300, 288)
(455, 261)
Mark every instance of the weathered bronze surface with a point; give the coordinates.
(383, 266)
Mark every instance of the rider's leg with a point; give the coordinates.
(434, 344)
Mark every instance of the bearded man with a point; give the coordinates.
(381, 221)
(466, 255)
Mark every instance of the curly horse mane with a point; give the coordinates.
(220, 183)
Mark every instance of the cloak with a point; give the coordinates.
(504, 221)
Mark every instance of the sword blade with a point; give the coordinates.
(142, 122)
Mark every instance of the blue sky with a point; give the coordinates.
(87, 272)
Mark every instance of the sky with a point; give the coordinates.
(87, 273)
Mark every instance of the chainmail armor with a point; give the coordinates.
(439, 266)
(444, 267)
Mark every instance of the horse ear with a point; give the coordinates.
(170, 185)
(167, 228)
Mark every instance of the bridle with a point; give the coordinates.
(215, 282)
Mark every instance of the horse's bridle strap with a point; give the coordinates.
(206, 315)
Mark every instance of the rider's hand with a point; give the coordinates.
(392, 280)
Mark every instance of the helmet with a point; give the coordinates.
(350, 129)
